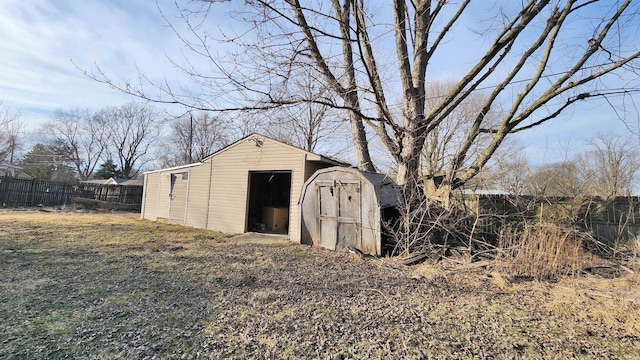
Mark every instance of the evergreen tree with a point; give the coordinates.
(49, 162)
(107, 170)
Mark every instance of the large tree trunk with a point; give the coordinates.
(359, 135)
(361, 145)
(409, 163)
(360, 142)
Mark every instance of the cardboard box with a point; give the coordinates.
(276, 218)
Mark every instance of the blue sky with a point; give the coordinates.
(43, 39)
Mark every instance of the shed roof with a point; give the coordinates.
(95, 181)
(175, 168)
(484, 192)
(255, 137)
(9, 169)
(385, 187)
(129, 182)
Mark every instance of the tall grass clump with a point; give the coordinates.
(541, 251)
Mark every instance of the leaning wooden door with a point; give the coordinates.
(348, 233)
(339, 218)
(328, 215)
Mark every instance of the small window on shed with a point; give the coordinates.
(184, 176)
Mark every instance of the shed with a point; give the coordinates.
(341, 207)
(251, 185)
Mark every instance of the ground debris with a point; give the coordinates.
(149, 290)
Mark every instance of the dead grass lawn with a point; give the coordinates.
(77, 285)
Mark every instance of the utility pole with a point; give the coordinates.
(190, 138)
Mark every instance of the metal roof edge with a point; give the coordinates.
(174, 168)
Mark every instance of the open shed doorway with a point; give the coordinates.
(269, 200)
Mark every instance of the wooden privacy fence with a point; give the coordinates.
(16, 192)
(123, 194)
(32, 192)
(610, 220)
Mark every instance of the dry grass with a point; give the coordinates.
(543, 251)
(113, 286)
(429, 271)
(500, 281)
(612, 302)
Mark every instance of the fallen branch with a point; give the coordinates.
(415, 258)
(627, 269)
(590, 269)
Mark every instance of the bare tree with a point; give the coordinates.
(540, 57)
(192, 138)
(610, 165)
(556, 179)
(442, 144)
(511, 174)
(11, 126)
(86, 135)
(134, 129)
(245, 124)
(310, 123)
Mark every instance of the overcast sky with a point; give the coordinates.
(42, 42)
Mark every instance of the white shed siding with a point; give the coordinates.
(215, 195)
(157, 187)
(198, 198)
(178, 201)
(230, 177)
(150, 197)
(163, 196)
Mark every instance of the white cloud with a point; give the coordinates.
(40, 40)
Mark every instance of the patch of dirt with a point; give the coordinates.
(260, 238)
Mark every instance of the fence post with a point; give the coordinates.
(63, 198)
(3, 188)
(32, 192)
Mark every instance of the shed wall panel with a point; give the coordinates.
(163, 195)
(198, 197)
(151, 197)
(371, 226)
(178, 199)
(355, 219)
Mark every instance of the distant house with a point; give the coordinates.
(251, 185)
(114, 181)
(13, 170)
